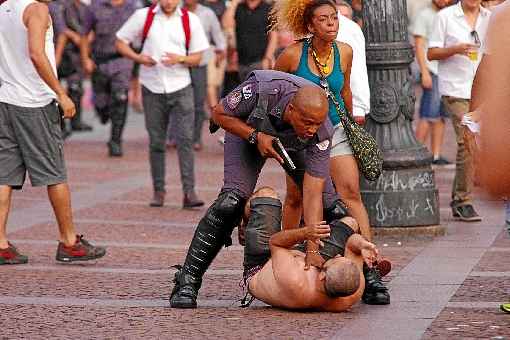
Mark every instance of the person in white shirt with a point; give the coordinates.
(351, 34)
(167, 90)
(30, 131)
(432, 115)
(458, 32)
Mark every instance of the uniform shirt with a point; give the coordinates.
(456, 73)
(212, 30)
(252, 32)
(243, 100)
(351, 34)
(56, 9)
(165, 36)
(422, 27)
(20, 84)
(105, 20)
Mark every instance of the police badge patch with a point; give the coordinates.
(247, 93)
(234, 99)
(323, 145)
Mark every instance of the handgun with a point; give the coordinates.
(288, 164)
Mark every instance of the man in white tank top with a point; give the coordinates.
(30, 133)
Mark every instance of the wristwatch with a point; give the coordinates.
(252, 138)
(181, 60)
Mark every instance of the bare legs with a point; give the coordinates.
(436, 129)
(345, 174)
(60, 198)
(5, 204)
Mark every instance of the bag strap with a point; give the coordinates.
(341, 110)
(186, 27)
(148, 23)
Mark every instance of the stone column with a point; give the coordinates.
(405, 195)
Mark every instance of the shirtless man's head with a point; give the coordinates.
(307, 111)
(341, 277)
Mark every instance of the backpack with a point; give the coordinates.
(150, 19)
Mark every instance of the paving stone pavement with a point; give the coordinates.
(443, 288)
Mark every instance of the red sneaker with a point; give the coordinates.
(12, 256)
(80, 251)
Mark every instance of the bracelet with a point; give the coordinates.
(312, 252)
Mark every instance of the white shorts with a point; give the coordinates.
(340, 144)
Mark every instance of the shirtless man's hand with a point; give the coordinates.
(369, 253)
(315, 233)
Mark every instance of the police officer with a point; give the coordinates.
(267, 105)
(110, 71)
(74, 15)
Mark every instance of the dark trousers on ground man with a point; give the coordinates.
(158, 110)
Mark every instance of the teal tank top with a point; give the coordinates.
(335, 79)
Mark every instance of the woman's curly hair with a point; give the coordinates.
(295, 15)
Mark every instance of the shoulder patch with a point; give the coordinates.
(323, 146)
(247, 92)
(234, 99)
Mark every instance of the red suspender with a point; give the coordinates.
(148, 22)
(186, 27)
(150, 18)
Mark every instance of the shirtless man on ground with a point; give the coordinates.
(275, 270)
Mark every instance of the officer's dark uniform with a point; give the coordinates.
(74, 14)
(110, 80)
(260, 101)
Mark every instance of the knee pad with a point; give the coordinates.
(336, 211)
(335, 244)
(264, 221)
(225, 213)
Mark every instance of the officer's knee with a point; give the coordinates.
(120, 96)
(228, 204)
(351, 222)
(335, 211)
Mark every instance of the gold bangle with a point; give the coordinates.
(312, 252)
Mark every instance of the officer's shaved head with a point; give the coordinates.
(307, 110)
(312, 102)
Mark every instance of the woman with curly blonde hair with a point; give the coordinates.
(318, 55)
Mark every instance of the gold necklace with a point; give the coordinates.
(324, 67)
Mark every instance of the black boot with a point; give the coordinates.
(375, 292)
(76, 93)
(187, 297)
(213, 231)
(118, 116)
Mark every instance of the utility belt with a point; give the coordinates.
(105, 58)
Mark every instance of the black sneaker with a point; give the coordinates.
(465, 213)
(375, 292)
(82, 250)
(441, 161)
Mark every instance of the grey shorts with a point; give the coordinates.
(340, 144)
(31, 140)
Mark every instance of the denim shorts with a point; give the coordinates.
(430, 105)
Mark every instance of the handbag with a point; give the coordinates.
(364, 147)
